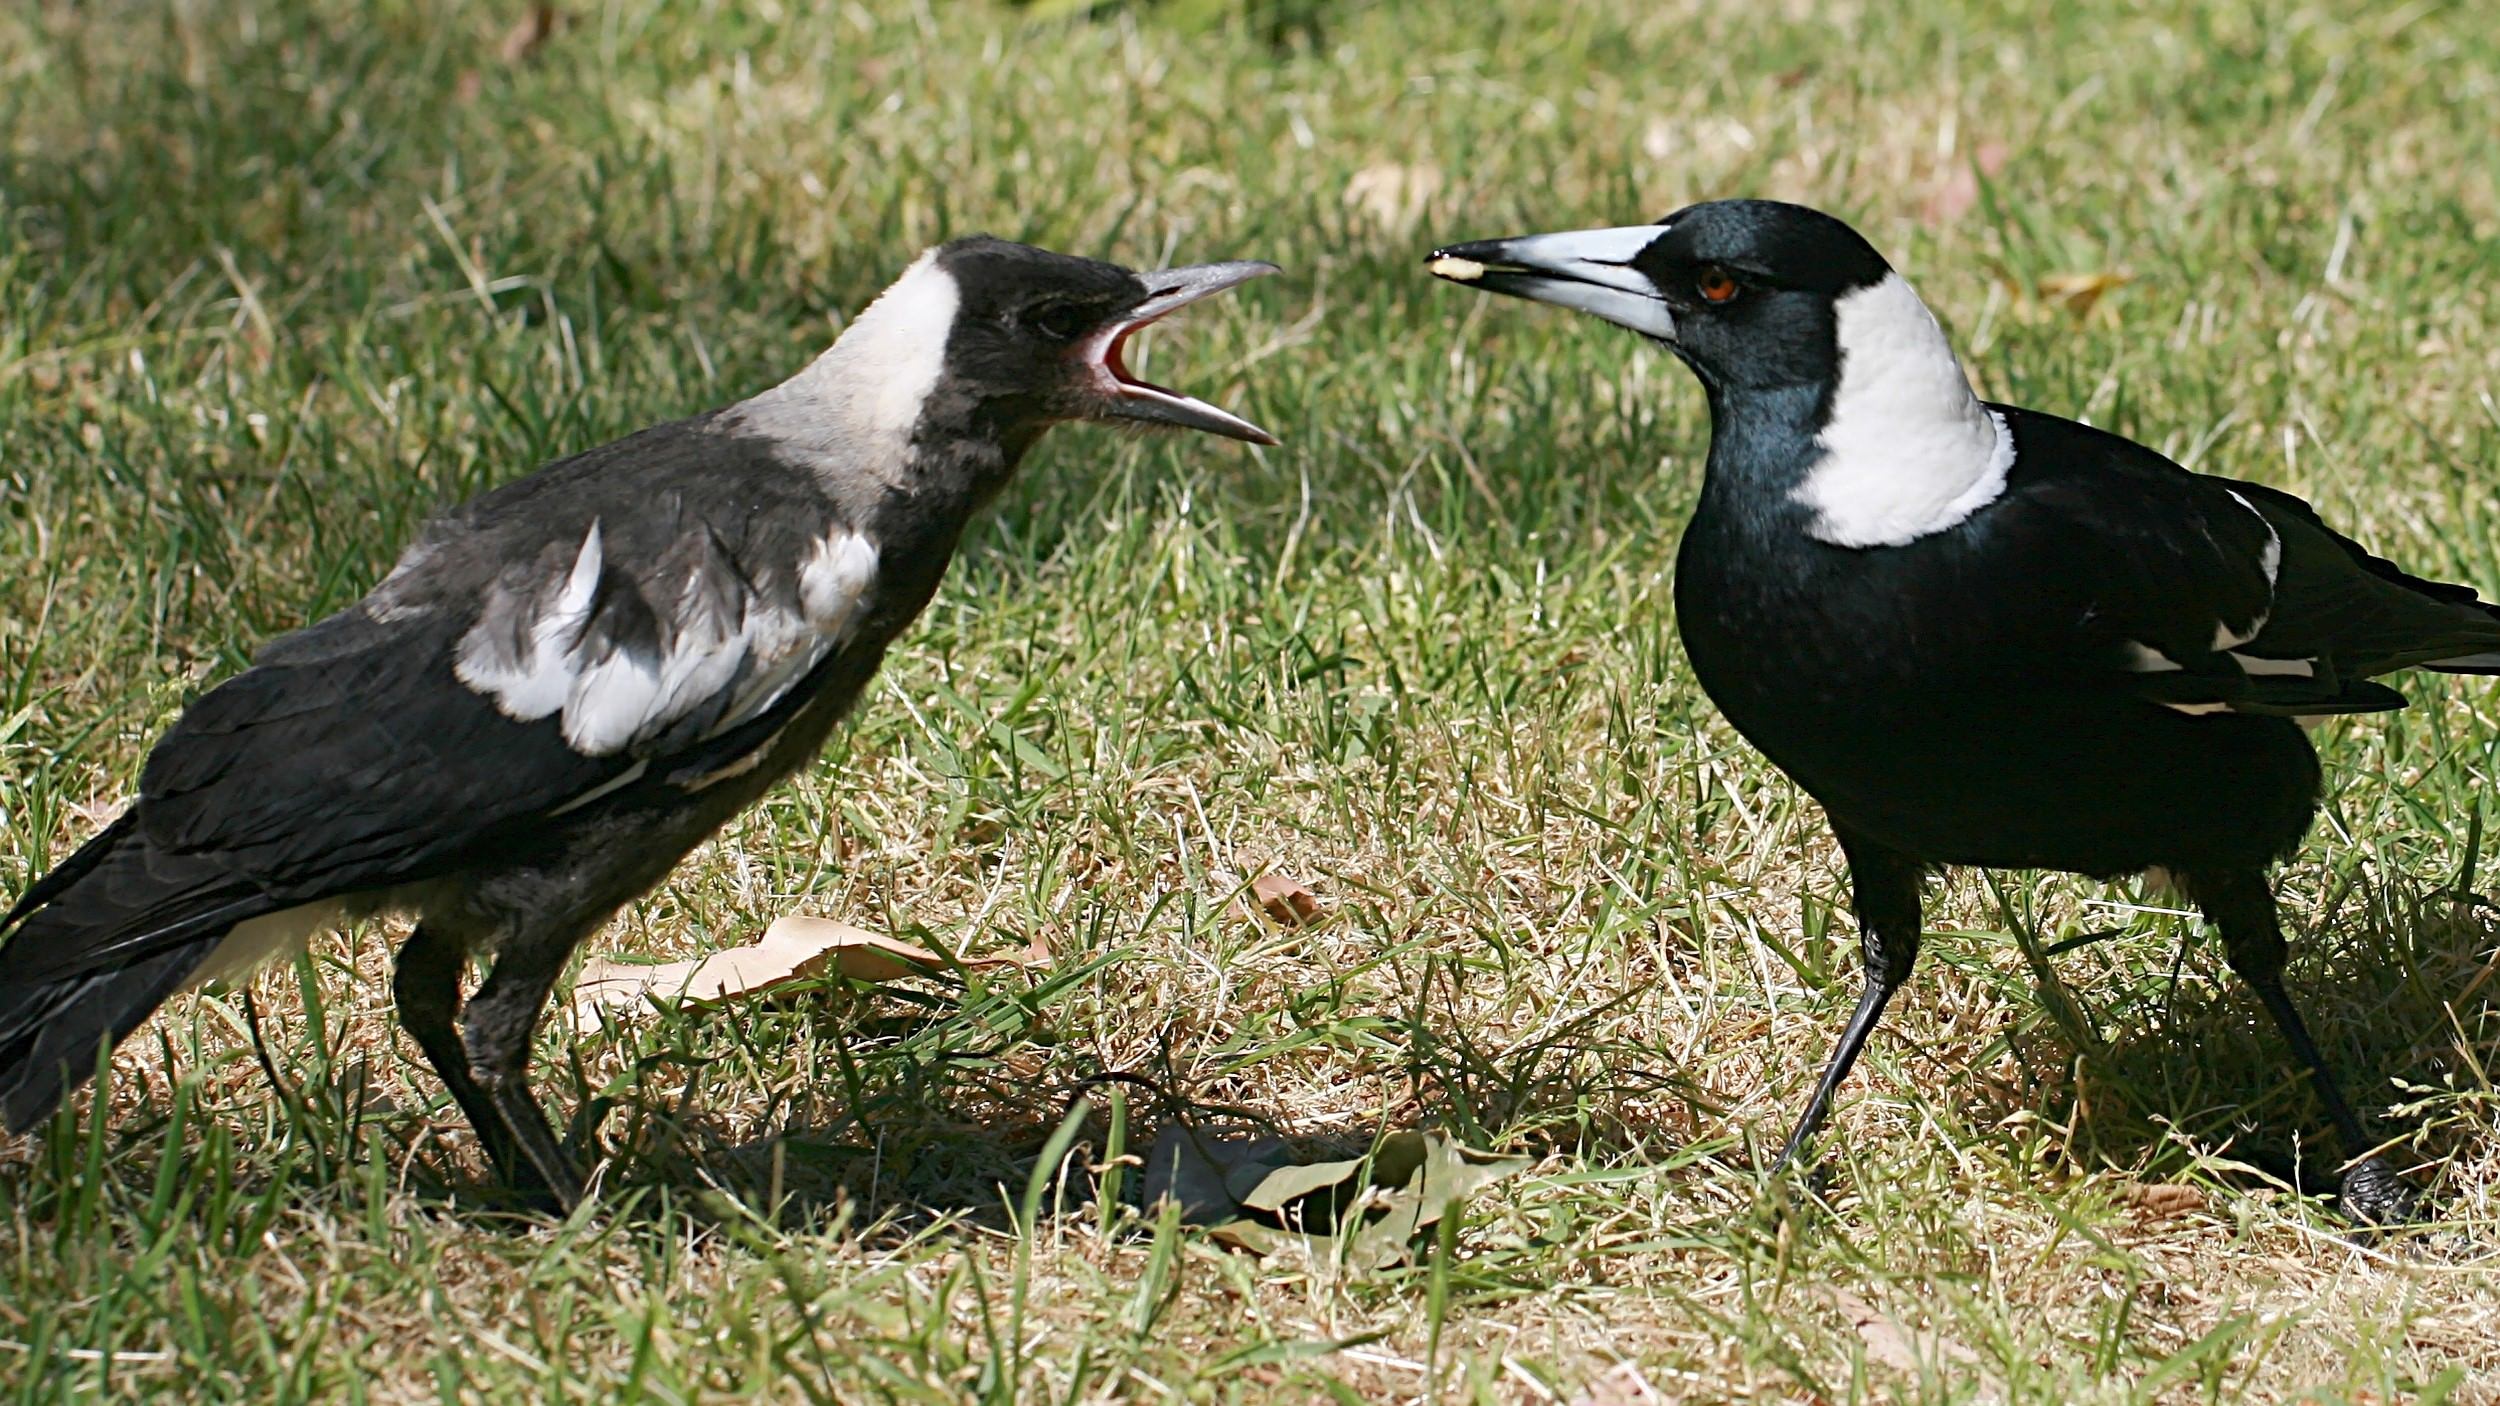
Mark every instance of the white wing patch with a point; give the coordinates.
(537, 681)
(611, 698)
(1908, 450)
(2144, 659)
(2269, 561)
(834, 582)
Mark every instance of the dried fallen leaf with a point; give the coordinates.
(794, 948)
(1891, 1345)
(1619, 1385)
(2078, 293)
(1363, 1211)
(1285, 900)
(2161, 1200)
(522, 42)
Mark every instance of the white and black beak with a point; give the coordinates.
(1130, 397)
(1591, 270)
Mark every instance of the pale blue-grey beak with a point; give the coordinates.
(1590, 270)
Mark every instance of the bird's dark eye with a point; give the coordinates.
(1063, 322)
(1717, 285)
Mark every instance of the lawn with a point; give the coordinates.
(278, 280)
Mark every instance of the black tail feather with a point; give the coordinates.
(2486, 662)
(49, 1056)
(69, 871)
(93, 948)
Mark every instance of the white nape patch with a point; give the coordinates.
(852, 410)
(248, 944)
(2144, 659)
(611, 699)
(1909, 449)
(2256, 667)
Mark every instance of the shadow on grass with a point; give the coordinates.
(2393, 983)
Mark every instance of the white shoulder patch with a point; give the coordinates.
(850, 413)
(612, 698)
(1909, 450)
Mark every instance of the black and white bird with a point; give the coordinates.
(566, 684)
(1982, 635)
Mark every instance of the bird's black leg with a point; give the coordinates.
(426, 986)
(1884, 888)
(2241, 906)
(496, 1030)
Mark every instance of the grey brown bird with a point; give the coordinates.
(567, 683)
(1984, 635)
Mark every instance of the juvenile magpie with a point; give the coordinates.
(567, 683)
(1982, 635)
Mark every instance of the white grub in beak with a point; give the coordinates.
(1127, 397)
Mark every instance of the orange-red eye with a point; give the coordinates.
(1715, 286)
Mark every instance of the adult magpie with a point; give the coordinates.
(567, 683)
(1979, 634)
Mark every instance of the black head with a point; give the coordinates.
(1037, 336)
(1744, 290)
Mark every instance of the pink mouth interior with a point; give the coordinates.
(1112, 362)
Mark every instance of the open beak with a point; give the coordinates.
(1128, 398)
(1587, 269)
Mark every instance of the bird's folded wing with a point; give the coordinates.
(449, 712)
(2210, 595)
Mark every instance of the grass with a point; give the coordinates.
(276, 281)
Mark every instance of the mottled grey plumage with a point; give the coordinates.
(569, 682)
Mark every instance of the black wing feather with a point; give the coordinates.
(2171, 556)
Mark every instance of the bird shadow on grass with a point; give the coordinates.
(957, 1133)
(2185, 1072)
